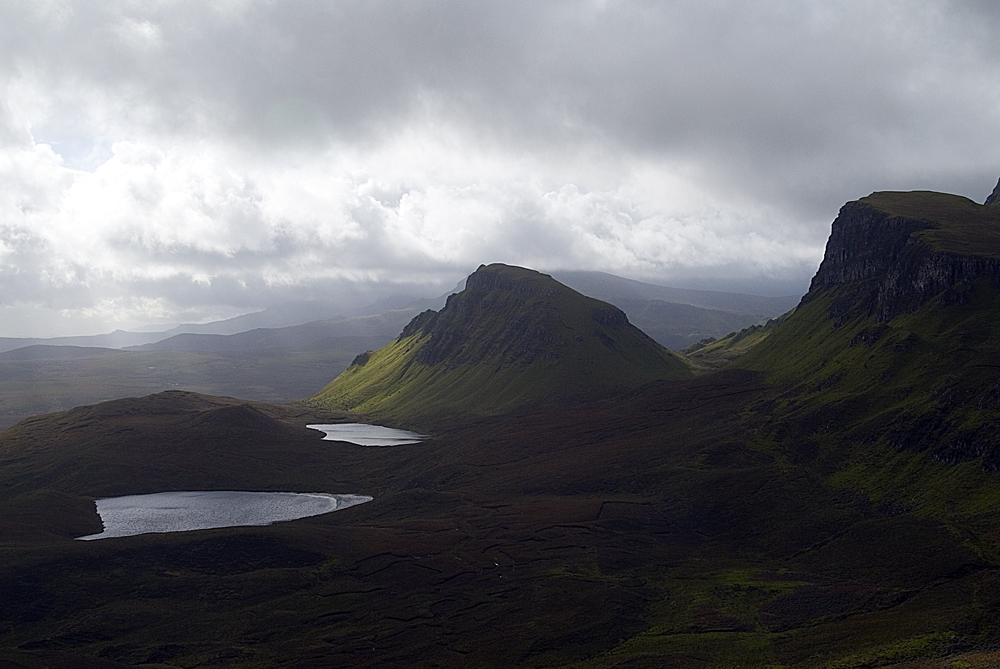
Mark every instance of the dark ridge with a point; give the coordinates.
(493, 279)
(884, 265)
(994, 197)
(498, 295)
(48, 352)
(419, 322)
(500, 298)
(169, 402)
(241, 418)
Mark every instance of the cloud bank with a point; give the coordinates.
(178, 160)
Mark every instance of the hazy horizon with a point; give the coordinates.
(352, 307)
(184, 162)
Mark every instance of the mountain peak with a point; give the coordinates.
(514, 338)
(994, 197)
(890, 252)
(492, 318)
(893, 336)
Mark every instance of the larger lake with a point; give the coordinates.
(203, 510)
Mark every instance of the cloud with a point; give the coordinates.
(193, 159)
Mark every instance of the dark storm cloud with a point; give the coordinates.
(776, 95)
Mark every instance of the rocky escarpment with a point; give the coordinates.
(884, 263)
(895, 343)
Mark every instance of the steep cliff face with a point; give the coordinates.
(896, 341)
(994, 197)
(889, 253)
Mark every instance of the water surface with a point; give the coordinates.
(368, 435)
(203, 510)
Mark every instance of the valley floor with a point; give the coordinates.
(648, 532)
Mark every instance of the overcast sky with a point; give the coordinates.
(169, 161)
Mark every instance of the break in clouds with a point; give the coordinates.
(180, 161)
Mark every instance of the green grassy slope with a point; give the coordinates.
(710, 354)
(677, 326)
(904, 410)
(513, 339)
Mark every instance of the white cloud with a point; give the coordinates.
(202, 212)
(139, 35)
(193, 159)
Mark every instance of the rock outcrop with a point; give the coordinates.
(895, 341)
(994, 197)
(886, 264)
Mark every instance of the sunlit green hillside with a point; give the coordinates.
(513, 339)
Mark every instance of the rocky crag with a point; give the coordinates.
(994, 197)
(890, 253)
(895, 344)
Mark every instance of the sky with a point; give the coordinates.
(172, 161)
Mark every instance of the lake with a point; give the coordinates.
(202, 510)
(211, 509)
(368, 435)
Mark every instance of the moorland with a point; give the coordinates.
(817, 491)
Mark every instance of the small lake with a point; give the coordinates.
(203, 510)
(368, 435)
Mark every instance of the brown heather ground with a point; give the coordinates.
(644, 532)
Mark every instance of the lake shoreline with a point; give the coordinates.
(186, 511)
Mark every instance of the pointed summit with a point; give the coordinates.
(513, 339)
(994, 197)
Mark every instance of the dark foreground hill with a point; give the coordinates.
(761, 516)
(513, 340)
(169, 441)
(649, 532)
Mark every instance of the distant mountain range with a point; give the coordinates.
(242, 356)
(675, 317)
(611, 288)
(274, 317)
